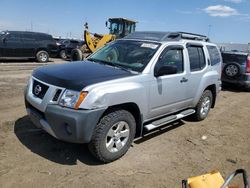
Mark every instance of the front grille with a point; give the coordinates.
(56, 96)
(39, 89)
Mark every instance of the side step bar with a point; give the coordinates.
(168, 119)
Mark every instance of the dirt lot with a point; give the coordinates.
(30, 157)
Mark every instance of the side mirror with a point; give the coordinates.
(165, 70)
(4, 39)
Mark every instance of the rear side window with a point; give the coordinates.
(229, 58)
(214, 55)
(27, 37)
(196, 58)
(43, 37)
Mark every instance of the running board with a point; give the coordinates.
(168, 119)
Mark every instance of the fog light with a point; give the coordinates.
(68, 129)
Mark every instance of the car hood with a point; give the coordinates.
(77, 75)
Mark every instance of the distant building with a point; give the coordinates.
(234, 47)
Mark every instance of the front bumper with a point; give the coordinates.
(66, 124)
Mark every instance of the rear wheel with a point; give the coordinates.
(42, 56)
(113, 136)
(203, 106)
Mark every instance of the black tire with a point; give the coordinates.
(231, 70)
(98, 145)
(42, 56)
(76, 55)
(62, 54)
(202, 110)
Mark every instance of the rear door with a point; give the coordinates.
(197, 68)
(29, 45)
(168, 92)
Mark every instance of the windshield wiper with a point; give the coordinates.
(109, 63)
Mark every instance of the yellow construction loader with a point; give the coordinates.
(118, 28)
(215, 180)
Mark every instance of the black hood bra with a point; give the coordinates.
(78, 75)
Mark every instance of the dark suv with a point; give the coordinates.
(67, 46)
(25, 45)
(236, 68)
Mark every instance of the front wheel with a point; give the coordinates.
(76, 55)
(203, 106)
(42, 56)
(62, 54)
(113, 136)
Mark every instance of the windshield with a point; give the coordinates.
(132, 55)
(116, 28)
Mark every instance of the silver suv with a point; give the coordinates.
(130, 86)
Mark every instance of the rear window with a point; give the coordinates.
(214, 55)
(228, 58)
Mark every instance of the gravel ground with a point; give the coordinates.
(29, 157)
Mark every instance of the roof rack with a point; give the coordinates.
(190, 36)
(166, 36)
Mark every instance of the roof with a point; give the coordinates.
(166, 36)
(123, 19)
(32, 32)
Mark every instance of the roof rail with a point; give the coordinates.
(166, 36)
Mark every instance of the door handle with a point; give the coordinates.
(183, 80)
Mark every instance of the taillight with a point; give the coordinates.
(248, 64)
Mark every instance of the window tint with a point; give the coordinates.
(43, 37)
(228, 58)
(172, 57)
(214, 55)
(196, 58)
(27, 37)
(14, 37)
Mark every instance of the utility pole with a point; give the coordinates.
(31, 26)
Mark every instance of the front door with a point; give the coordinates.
(168, 92)
(12, 45)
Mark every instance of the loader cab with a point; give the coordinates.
(121, 27)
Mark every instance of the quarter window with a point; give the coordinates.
(172, 57)
(196, 58)
(214, 55)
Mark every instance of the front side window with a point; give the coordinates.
(172, 57)
(196, 58)
(133, 55)
(14, 37)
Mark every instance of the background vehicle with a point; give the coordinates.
(131, 85)
(236, 68)
(25, 45)
(118, 28)
(69, 45)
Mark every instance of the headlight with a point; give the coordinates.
(72, 99)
